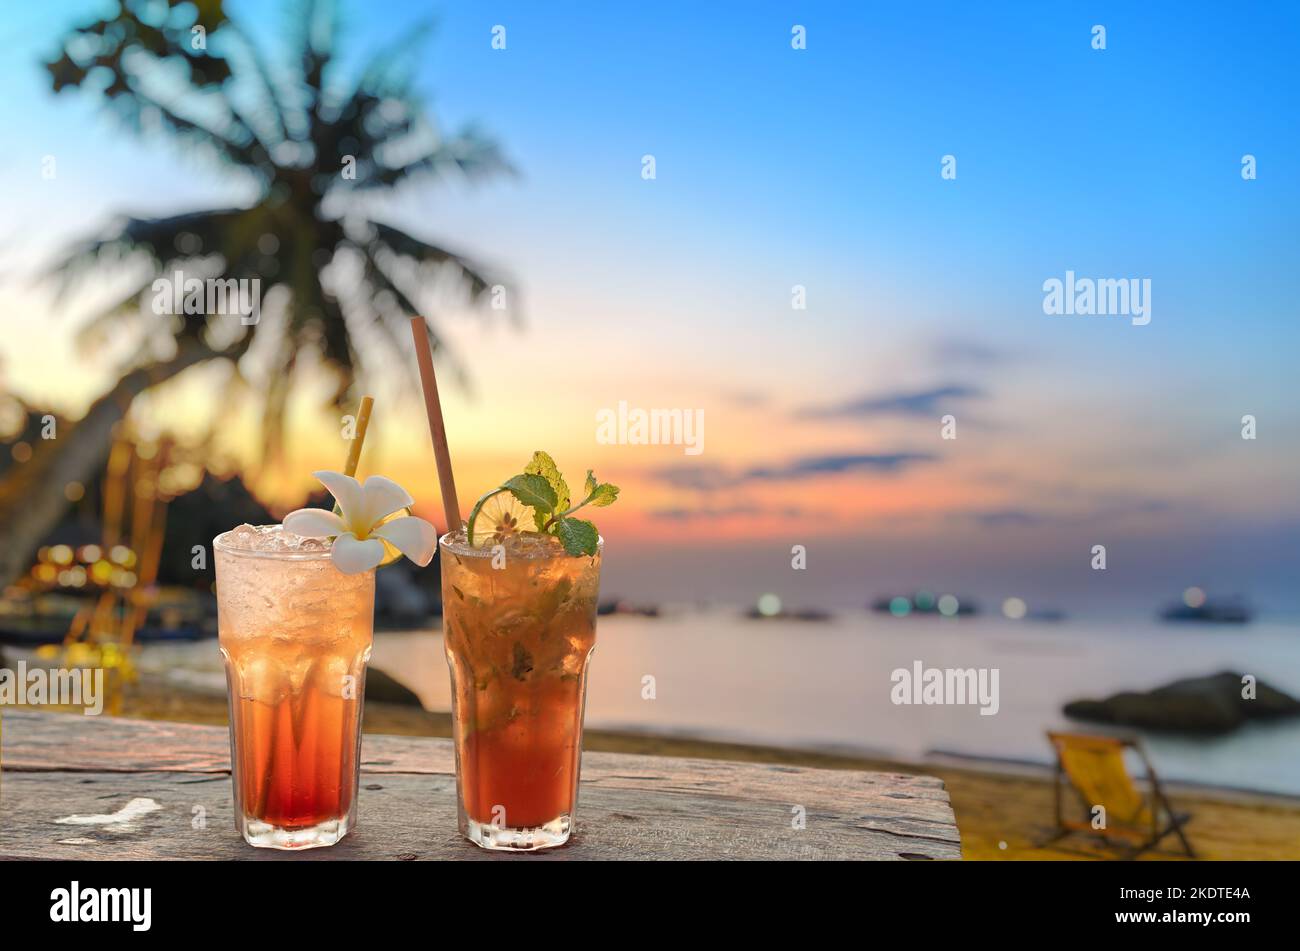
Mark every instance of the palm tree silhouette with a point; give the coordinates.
(314, 147)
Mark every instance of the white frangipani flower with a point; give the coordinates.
(357, 532)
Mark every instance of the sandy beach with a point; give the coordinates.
(1004, 811)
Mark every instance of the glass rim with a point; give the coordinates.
(486, 551)
(222, 544)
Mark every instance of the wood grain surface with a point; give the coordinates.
(78, 787)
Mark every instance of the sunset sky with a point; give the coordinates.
(820, 168)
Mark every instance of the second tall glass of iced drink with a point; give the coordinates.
(296, 634)
(519, 626)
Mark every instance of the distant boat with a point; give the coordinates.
(805, 614)
(626, 607)
(1214, 612)
(1046, 614)
(922, 603)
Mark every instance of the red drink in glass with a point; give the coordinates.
(519, 627)
(295, 633)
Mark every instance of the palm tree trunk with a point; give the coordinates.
(32, 498)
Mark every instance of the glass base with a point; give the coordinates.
(263, 835)
(505, 839)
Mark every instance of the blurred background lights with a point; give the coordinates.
(1014, 608)
(769, 605)
(948, 605)
(1193, 597)
(900, 607)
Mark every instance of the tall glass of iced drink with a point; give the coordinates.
(295, 633)
(519, 625)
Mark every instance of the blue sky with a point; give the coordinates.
(820, 167)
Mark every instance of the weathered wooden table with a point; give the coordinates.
(78, 787)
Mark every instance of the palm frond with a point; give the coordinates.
(388, 71)
(144, 51)
(234, 141)
(469, 153)
(393, 320)
(405, 245)
(273, 103)
(287, 129)
(165, 240)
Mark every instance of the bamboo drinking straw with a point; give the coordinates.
(363, 422)
(433, 408)
(358, 437)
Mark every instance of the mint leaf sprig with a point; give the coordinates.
(542, 488)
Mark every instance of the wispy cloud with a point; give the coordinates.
(1103, 510)
(709, 513)
(1000, 517)
(824, 465)
(709, 478)
(931, 402)
(957, 350)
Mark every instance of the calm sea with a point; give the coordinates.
(827, 685)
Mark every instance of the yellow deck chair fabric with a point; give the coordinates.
(1096, 770)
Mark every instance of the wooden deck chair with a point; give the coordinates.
(1094, 767)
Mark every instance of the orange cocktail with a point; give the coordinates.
(519, 622)
(295, 633)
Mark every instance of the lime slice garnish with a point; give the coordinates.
(498, 515)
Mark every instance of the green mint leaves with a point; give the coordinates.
(544, 466)
(599, 495)
(578, 536)
(542, 488)
(534, 491)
